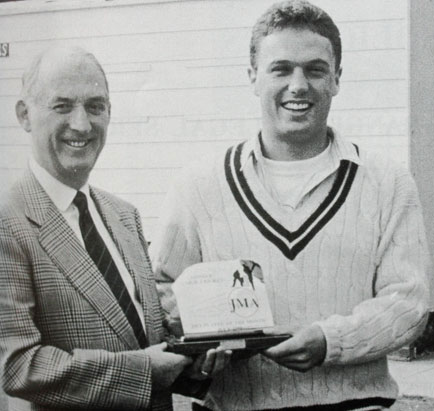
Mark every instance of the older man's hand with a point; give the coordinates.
(209, 364)
(166, 366)
(305, 350)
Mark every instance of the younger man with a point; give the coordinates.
(337, 231)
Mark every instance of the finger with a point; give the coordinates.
(163, 346)
(298, 358)
(208, 363)
(287, 347)
(157, 347)
(277, 329)
(300, 367)
(184, 359)
(299, 362)
(199, 359)
(222, 358)
(227, 357)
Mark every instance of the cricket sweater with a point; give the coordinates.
(351, 257)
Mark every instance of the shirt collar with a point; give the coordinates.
(340, 149)
(60, 194)
(253, 150)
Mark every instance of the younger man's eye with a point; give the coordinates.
(96, 108)
(316, 70)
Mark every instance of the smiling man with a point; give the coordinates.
(80, 320)
(295, 75)
(66, 108)
(337, 231)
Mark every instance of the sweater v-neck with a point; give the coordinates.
(274, 221)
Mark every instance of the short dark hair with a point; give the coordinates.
(298, 14)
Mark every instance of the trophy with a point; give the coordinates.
(223, 304)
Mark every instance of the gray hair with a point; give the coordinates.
(31, 73)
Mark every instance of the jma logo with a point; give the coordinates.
(243, 302)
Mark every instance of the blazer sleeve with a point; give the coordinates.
(46, 375)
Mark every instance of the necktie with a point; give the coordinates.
(99, 253)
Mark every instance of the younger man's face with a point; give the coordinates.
(295, 80)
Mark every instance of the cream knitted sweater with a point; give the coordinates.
(351, 257)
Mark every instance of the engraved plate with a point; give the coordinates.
(238, 344)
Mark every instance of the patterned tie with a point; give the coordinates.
(99, 253)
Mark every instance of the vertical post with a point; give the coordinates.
(421, 110)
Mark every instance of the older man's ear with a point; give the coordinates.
(22, 113)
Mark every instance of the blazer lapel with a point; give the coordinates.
(129, 247)
(62, 246)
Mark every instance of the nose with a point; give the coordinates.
(298, 83)
(79, 120)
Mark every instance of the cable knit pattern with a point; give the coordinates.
(362, 277)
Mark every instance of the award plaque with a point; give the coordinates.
(223, 304)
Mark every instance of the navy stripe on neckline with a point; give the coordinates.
(275, 232)
(250, 215)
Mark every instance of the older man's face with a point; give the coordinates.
(68, 117)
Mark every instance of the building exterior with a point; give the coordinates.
(179, 85)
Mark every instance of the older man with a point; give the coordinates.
(338, 233)
(81, 326)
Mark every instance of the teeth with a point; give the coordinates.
(77, 144)
(296, 106)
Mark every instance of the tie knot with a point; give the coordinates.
(80, 201)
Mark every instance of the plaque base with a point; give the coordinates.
(251, 342)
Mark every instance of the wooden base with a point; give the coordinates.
(253, 343)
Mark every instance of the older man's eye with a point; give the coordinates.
(280, 70)
(62, 108)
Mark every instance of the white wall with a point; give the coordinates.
(179, 88)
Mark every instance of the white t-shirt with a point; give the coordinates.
(288, 181)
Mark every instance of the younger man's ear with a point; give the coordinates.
(22, 113)
(338, 75)
(252, 77)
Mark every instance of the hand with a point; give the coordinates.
(305, 350)
(166, 366)
(209, 364)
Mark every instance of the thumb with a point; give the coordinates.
(284, 348)
(161, 346)
(187, 360)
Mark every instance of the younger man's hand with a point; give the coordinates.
(305, 350)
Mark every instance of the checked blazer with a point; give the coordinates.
(65, 342)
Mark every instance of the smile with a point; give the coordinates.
(295, 106)
(77, 144)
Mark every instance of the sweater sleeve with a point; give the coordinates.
(397, 313)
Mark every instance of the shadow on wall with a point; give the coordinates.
(425, 343)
